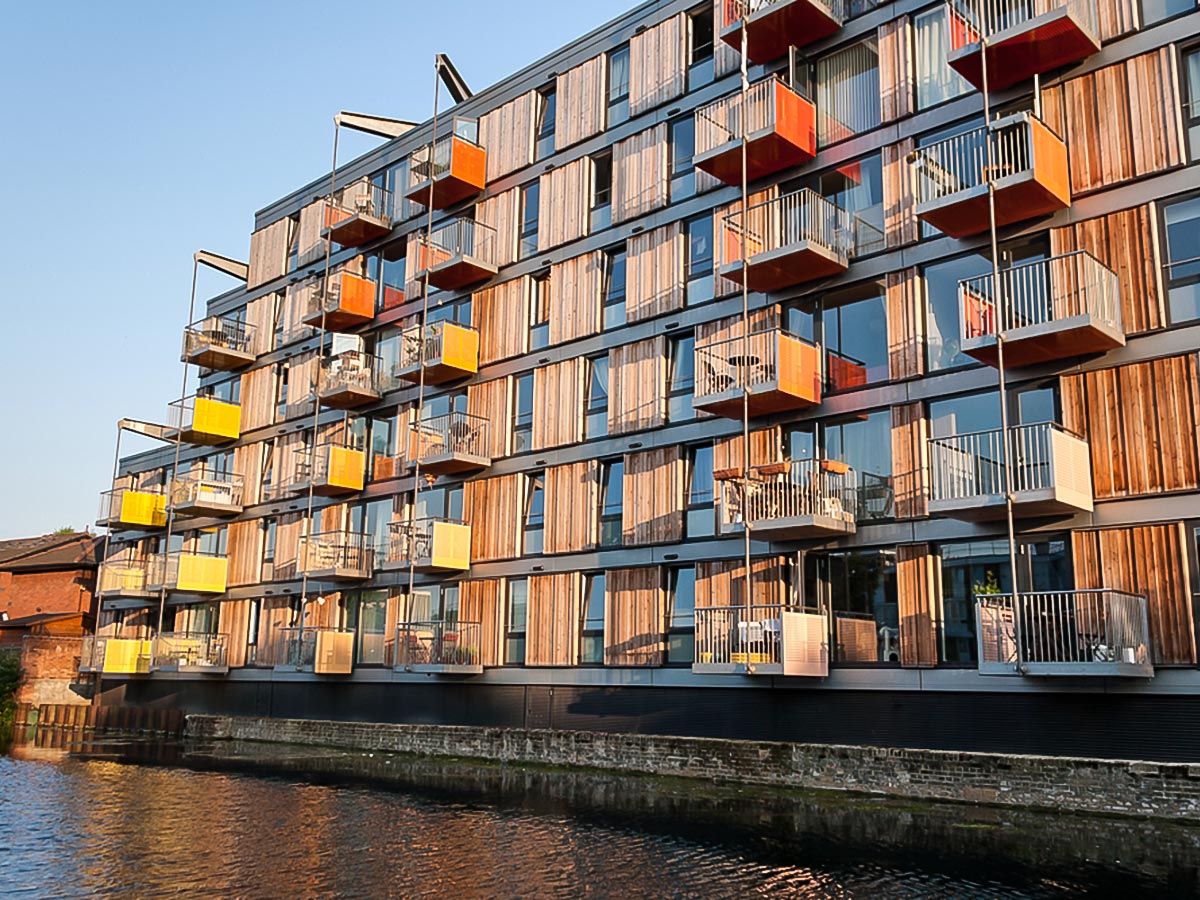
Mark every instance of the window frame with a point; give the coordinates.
(611, 514)
(545, 130)
(676, 627)
(589, 634)
(594, 411)
(1171, 283)
(527, 238)
(617, 104)
(539, 311)
(612, 298)
(511, 633)
(600, 209)
(534, 524)
(522, 421)
(677, 345)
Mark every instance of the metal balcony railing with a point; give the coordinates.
(751, 639)
(732, 11)
(432, 161)
(959, 163)
(1040, 293)
(793, 490)
(111, 501)
(971, 465)
(452, 434)
(224, 332)
(970, 21)
(728, 363)
(163, 571)
(441, 643)
(91, 653)
(324, 294)
(351, 371)
(350, 552)
(180, 650)
(720, 122)
(460, 238)
(293, 646)
(801, 217)
(1088, 632)
(202, 486)
(360, 198)
(413, 541)
(423, 346)
(121, 577)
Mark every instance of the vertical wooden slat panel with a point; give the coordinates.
(479, 600)
(558, 398)
(658, 64)
(918, 619)
(245, 552)
(635, 617)
(895, 69)
(1154, 99)
(501, 314)
(287, 544)
(910, 466)
(268, 253)
(310, 245)
(258, 398)
(260, 317)
(581, 103)
(564, 204)
(1116, 18)
(572, 500)
(637, 385)
(905, 325)
(653, 504)
(726, 59)
(247, 463)
(552, 627)
(575, 286)
(654, 280)
(766, 447)
(899, 202)
(492, 507)
(234, 620)
(506, 133)
(493, 401)
(502, 213)
(640, 173)
(723, 582)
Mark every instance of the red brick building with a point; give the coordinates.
(54, 573)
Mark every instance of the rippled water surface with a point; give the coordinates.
(231, 824)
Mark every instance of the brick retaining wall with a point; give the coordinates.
(1168, 790)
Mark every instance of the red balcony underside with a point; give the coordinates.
(355, 230)
(1079, 336)
(784, 268)
(435, 373)
(775, 29)
(338, 319)
(224, 359)
(772, 152)
(445, 192)
(1040, 45)
(1015, 203)
(460, 272)
(766, 403)
(347, 397)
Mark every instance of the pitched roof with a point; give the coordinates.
(38, 619)
(50, 551)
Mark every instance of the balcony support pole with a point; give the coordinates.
(744, 368)
(1001, 317)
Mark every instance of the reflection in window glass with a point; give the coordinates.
(514, 631)
(1191, 106)
(618, 86)
(848, 92)
(700, 285)
(372, 628)
(860, 588)
(530, 195)
(612, 500)
(865, 442)
(854, 332)
(942, 336)
(682, 378)
(596, 424)
(1158, 10)
(1182, 224)
(683, 147)
(614, 289)
(701, 514)
(523, 414)
(857, 187)
(591, 644)
(936, 81)
(681, 623)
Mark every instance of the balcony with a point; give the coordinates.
(358, 213)
(1021, 42)
(350, 379)
(450, 171)
(188, 573)
(341, 303)
(319, 650)
(790, 240)
(190, 653)
(130, 508)
(337, 556)
(122, 577)
(1052, 473)
(761, 640)
(450, 444)
(1028, 168)
(439, 647)
(457, 255)
(218, 342)
(1093, 633)
(204, 493)
(114, 656)
(429, 545)
(449, 351)
(779, 371)
(1051, 309)
(773, 26)
(331, 470)
(792, 501)
(204, 420)
(781, 131)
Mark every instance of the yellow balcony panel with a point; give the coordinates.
(448, 351)
(128, 508)
(429, 545)
(339, 470)
(125, 656)
(206, 421)
(202, 574)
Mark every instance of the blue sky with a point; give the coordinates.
(133, 134)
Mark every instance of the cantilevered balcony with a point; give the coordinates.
(429, 545)
(337, 556)
(331, 469)
(122, 576)
(1093, 633)
(457, 255)
(781, 128)
(1051, 473)
(1051, 309)
(344, 302)
(1028, 168)
(439, 647)
(761, 640)
(219, 342)
(357, 214)
(447, 351)
(792, 501)
(781, 372)
(114, 656)
(204, 420)
(775, 25)
(127, 507)
(315, 649)
(449, 444)
(789, 240)
(349, 379)
(1023, 38)
(190, 652)
(188, 573)
(202, 492)
(450, 171)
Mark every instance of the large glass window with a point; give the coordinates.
(596, 424)
(372, 628)
(515, 621)
(682, 378)
(388, 269)
(612, 502)
(1191, 103)
(1159, 10)
(848, 92)
(857, 187)
(1181, 221)
(700, 55)
(700, 284)
(523, 414)
(936, 81)
(614, 288)
(683, 148)
(618, 86)
(530, 198)
(942, 338)
(860, 590)
(601, 190)
(865, 442)
(701, 513)
(535, 513)
(545, 126)
(591, 642)
(681, 621)
(539, 319)
(854, 332)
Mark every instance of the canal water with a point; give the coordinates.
(148, 819)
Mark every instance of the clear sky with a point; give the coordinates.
(135, 133)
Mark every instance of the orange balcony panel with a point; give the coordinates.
(788, 266)
(350, 303)
(777, 26)
(1033, 47)
(463, 177)
(784, 373)
(787, 138)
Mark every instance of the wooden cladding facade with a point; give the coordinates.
(501, 314)
(652, 511)
(493, 400)
(640, 174)
(481, 600)
(899, 200)
(575, 286)
(766, 447)
(896, 76)
(637, 385)
(268, 252)
(565, 203)
(910, 460)
(917, 601)
(493, 510)
(905, 325)
(581, 101)
(654, 274)
(635, 617)
(1152, 561)
(572, 493)
(1142, 424)
(723, 582)
(558, 398)
(553, 619)
(658, 62)
(502, 213)
(506, 133)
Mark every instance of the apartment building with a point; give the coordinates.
(631, 394)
